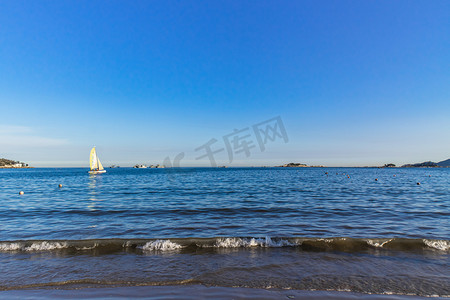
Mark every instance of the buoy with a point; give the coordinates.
(60, 185)
(376, 179)
(21, 193)
(418, 183)
(348, 176)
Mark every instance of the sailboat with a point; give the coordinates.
(96, 165)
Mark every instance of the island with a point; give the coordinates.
(297, 165)
(293, 165)
(426, 164)
(429, 164)
(11, 164)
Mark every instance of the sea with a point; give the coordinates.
(216, 231)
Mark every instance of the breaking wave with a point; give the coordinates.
(194, 244)
(161, 245)
(34, 246)
(266, 242)
(438, 244)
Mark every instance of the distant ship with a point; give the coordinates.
(96, 165)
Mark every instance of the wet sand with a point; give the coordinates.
(190, 292)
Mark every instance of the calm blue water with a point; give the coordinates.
(157, 203)
(296, 228)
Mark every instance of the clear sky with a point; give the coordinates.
(353, 82)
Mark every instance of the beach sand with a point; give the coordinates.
(189, 292)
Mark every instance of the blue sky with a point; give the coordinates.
(354, 82)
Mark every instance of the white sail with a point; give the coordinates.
(93, 161)
(100, 167)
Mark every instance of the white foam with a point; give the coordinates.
(11, 246)
(36, 246)
(253, 242)
(42, 246)
(377, 243)
(161, 245)
(438, 244)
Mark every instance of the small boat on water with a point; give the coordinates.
(140, 167)
(96, 165)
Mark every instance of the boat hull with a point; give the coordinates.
(97, 172)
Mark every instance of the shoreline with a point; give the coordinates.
(16, 167)
(193, 292)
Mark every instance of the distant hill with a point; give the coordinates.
(426, 164)
(7, 163)
(444, 163)
(293, 165)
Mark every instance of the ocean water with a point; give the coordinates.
(326, 229)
